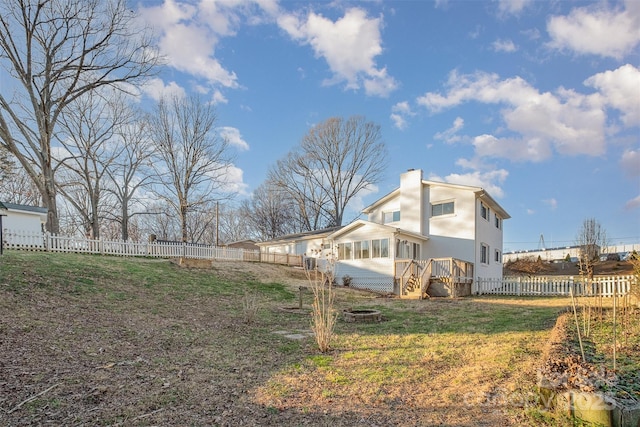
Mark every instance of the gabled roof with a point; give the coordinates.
(479, 191)
(361, 223)
(289, 238)
(26, 208)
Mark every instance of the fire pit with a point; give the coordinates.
(362, 315)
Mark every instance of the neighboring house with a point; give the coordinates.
(457, 227)
(24, 217)
(307, 243)
(248, 244)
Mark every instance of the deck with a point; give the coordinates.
(420, 279)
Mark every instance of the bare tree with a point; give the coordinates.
(335, 161)
(57, 51)
(18, 188)
(192, 159)
(310, 200)
(590, 239)
(234, 225)
(130, 172)
(90, 147)
(271, 212)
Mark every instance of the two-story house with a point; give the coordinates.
(422, 230)
(422, 220)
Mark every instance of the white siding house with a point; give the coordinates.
(306, 243)
(24, 217)
(420, 220)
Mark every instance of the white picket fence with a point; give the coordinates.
(35, 241)
(560, 286)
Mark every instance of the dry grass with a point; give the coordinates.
(112, 341)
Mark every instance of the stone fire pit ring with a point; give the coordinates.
(362, 315)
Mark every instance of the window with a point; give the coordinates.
(498, 256)
(380, 248)
(484, 253)
(484, 211)
(344, 250)
(388, 217)
(498, 222)
(361, 249)
(442, 209)
(405, 249)
(365, 249)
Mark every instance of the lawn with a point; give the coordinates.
(97, 340)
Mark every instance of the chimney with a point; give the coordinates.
(411, 200)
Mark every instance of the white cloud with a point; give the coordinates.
(188, 35)
(512, 7)
(156, 89)
(633, 203)
(617, 87)
(552, 203)
(538, 123)
(630, 163)
(451, 135)
(516, 149)
(233, 137)
(218, 98)
(504, 46)
(491, 181)
(597, 30)
(349, 45)
(399, 114)
(233, 181)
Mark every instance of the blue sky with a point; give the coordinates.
(538, 102)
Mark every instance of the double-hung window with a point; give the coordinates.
(484, 253)
(485, 211)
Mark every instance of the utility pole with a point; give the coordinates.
(217, 223)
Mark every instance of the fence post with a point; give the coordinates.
(47, 243)
(519, 286)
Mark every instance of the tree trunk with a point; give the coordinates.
(49, 193)
(183, 221)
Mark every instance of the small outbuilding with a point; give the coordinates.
(23, 217)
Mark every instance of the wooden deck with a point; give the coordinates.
(420, 279)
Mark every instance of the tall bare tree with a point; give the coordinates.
(90, 146)
(192, 158)
(271, 212)
(130, 172)
(590, 239)
(335, 161)
(57, 51)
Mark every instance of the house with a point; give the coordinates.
(24, 217)
(306, 243)
(248, 244)
(423, 238)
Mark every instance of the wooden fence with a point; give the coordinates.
(36, 241)
(560, 286)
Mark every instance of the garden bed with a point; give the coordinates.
(591, 389)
